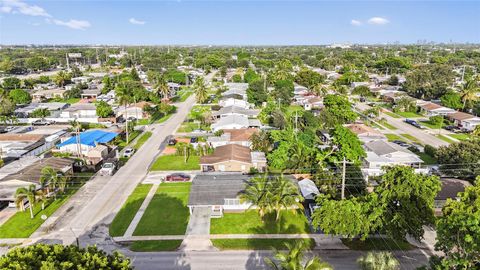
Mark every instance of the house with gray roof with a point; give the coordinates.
(235, 110)
(234, 122)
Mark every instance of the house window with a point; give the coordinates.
(232, 201)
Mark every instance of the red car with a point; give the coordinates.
(177, 177)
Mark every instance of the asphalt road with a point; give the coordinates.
(403, 128)
(233, 260)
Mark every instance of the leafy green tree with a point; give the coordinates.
(200, 89)
(42, 256)
(260, 141)
(104, 109)
(294, 259)
(405, 104)
(347, 144)
(40, 113)
(429, 81)
(407, 200)
(256, 92)
(62, 78)
(378, 261)
(7, 66)
(458, 231)
(283, 91)
(460, 159)
(250, 76)
(362, 90)
(309, 78)
(339, 109)
(36, 63)
(393, 80)
(436, 120)
(11, 83)
(452, 100)
(19, 96)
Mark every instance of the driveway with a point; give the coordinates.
(6, 213)
(198, 230)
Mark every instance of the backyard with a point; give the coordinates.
(251, 222)
(167, 213)
(125, 216)
(176, 163)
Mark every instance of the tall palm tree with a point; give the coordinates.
(61, 78)
(294, 259)
(319, 89)
(161, 88)
(124, 97)
(51, 179)
(469, 92)
(285, 195)
(201, 90)
(378, 261)
(23, 194)
(258, 194)
(76, 126)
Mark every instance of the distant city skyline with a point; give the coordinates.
(237, 22)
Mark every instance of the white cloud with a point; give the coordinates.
(355, 22)
(135, 21)
(378, 20)
(74, 24)
(5, 9)
(16, 6)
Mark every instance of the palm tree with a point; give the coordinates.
(51, 179)
(285, 196)
(76, 127)
(161, 87)
(294, 259)
(23, 194)
(61, 78)
(124, 97)
(319, 89)
(469, 92)
(378, 261)
(258, 194)
(201, 90)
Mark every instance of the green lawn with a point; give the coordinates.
(444, 138)
(258, 244)
(410, 137)
(21, 225)
(143, 139)
(429, 125)
(143, 122)
(460, 137)
(394, 115)
(393, 137)
(409, 114)
(154, 245)
(163, 118)
(191, 126)
(377, 244)
(167, 213)
(250, 222)
(429, 160)
(387, 125)
(131, 136)
(184, 94)
(176, 163)
(125, 216)
(375, 125)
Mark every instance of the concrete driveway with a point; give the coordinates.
(198, 230)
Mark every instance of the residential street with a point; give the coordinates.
(339, 259)
(403, 128)
(100, 199)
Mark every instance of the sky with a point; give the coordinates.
(156, 22)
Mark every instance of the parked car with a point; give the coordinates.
(108, 168)
(414, 123)
(172, 141)
(128, 152)
(193, 140)
(42, 122)
(177, 177)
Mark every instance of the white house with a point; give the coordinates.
(80, 110)
(464, 120)
(235, 102)
(233, 136)
(235, 110)
(432, 109)
(234, 122)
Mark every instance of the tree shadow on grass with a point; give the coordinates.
(281, 226)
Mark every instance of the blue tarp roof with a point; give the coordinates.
(91, 137)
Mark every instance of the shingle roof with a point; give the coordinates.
(21, 137)
(451, 187)
(226, 153)
(214, 189)
(381, 147)
(460, 116)
(32, 172)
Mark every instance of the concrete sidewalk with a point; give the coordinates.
(141, 211)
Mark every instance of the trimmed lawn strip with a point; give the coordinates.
(409, 114)
(460, 137)
(143, 139)
(250, 222)
(429, 160)
(377, 244)
(129, 209)
(394, 115)
(387, 125)
(429, 125)
(167, 213)
(20, 225)
(163, 118)
(176, 163)
(131, 136)
(444, 138)
(258, 244)
(410, 137)
(393, 137)
(155, 245)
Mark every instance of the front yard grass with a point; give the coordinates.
(167, 213)
(20, 225)
(129, 209)
(444, 138)
(176, 163)
(375, 243)
(427, 159)
(250, 222)
(387, 125)
(259, 244)
(393, 137)
(410, 137)
(409, 114)
(143, 139)
(187, 127)
(394, 115)
(155, 245)
(122, 142)
(460, 137)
